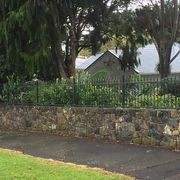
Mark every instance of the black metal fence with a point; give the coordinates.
(134, 93)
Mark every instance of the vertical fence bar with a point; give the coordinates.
(74, 91)
(37, 92)
(8, 94)
(123, 91)
(175, 92)
(77, 91)
(148, 93)
(15, 99)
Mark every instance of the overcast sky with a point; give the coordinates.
(139, 3)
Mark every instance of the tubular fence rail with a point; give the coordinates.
(134, 93)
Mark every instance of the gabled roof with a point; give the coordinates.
(89, 61)
(117, 53)
(79, 61)
(148, 57)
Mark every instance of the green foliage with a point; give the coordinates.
(162, 94)
(170, 85)
(84, 90)
(102, 74)
(33, 34)
(85, 52)
(123, 33)
(95, 90)
(82, 76)
(11, 89)
(137, 86)
(39, 93)
(63, 93)
(155, 101)
(57, 93)
(97, 95)
(24, 40)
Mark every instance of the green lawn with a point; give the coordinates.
(15, 166)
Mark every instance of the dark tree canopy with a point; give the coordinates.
(45, 37)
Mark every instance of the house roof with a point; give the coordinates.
(79, 61)
(148, 57)
(89, 61)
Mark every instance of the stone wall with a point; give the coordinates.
(138, 126)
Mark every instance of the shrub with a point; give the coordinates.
(164, 101)
(84, 90)
(137, 86)
(101, 74)
(11, 91)
(86, 93)
(50, 94)
(170, 85)
(98, 95)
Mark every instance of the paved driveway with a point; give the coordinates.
(141, 162)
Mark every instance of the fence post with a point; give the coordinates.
(123, 91)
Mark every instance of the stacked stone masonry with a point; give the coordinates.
(138, 126)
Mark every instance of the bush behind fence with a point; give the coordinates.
(135, 93)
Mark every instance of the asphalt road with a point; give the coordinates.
(138, 161)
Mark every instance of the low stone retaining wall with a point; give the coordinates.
(139, 126)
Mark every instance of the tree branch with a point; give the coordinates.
(177, 54)
(176, 20)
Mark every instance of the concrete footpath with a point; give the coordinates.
(138, 161)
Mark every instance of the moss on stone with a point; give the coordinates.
(137, 141)
(154, 142)
(146, 140)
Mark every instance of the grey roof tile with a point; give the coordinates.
(89, 61)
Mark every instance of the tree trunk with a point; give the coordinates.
(165, 43)
(59, 59)
(73, 46)
(56, 48)
(164, 59)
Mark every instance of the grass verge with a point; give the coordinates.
(16, 166)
